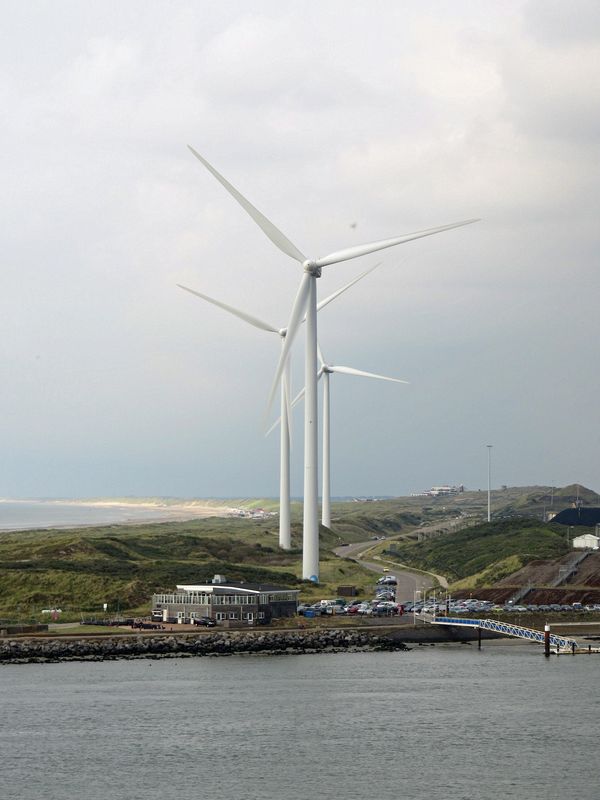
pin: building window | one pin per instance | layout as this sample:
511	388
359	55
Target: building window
233	615
220	616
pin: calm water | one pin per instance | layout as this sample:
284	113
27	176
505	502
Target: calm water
446	722
28	515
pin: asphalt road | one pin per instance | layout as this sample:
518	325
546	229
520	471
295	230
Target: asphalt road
408	582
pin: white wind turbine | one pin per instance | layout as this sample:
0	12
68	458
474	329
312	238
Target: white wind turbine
325	371
285	535
306	302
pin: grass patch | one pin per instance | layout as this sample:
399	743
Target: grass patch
481	553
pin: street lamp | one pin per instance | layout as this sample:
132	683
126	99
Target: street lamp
489	447
417	592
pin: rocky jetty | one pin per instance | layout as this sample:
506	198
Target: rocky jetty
43	650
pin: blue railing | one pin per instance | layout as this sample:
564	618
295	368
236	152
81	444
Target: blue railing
562	642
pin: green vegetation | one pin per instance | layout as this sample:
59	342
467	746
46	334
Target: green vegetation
491	575
79	570
123	565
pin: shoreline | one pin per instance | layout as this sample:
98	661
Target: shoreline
154	512
31	650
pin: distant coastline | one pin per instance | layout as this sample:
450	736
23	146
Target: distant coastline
64	513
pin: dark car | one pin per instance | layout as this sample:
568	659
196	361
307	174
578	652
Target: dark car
205	622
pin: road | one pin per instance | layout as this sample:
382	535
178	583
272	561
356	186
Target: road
408	581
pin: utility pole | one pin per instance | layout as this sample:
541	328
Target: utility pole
489	447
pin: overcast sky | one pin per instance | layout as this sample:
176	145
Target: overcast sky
343	122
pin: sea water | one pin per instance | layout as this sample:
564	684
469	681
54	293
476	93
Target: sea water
437	722
27	515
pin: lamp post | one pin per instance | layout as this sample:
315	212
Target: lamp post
489	447
417	593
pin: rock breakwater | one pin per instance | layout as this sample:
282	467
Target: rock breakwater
43	650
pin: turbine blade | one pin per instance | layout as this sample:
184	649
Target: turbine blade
360	373
274	234
320	354
276	424
298	397
292	329
372	247
257	323
294	403
333	296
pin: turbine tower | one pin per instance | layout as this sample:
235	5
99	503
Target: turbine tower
324	372
285	535
306	302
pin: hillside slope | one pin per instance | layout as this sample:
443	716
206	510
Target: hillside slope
498	548
79	570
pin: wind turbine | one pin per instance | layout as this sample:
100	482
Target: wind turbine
306	301
325	371
285	536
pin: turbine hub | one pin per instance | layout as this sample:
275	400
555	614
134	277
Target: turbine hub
312	268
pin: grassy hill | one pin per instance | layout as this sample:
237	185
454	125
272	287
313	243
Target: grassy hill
123	565
485	553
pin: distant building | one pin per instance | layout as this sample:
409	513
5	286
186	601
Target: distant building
586	541
441	491
586	516
223	600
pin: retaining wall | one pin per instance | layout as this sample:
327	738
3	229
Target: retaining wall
43	650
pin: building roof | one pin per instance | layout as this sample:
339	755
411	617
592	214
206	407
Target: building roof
250	588
578	516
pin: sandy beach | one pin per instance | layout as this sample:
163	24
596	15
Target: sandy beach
63	513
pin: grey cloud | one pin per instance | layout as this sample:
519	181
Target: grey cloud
409	117
556	23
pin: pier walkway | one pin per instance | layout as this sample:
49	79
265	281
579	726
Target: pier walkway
562	643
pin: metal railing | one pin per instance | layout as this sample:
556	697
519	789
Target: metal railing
561	642
570	569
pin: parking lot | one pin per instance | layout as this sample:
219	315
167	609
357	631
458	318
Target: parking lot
383	603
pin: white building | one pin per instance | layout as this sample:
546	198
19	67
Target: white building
223	600
586	541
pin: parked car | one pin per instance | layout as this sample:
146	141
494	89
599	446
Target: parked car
385	608
382	596
205	622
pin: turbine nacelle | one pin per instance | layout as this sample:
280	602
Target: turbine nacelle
312	268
